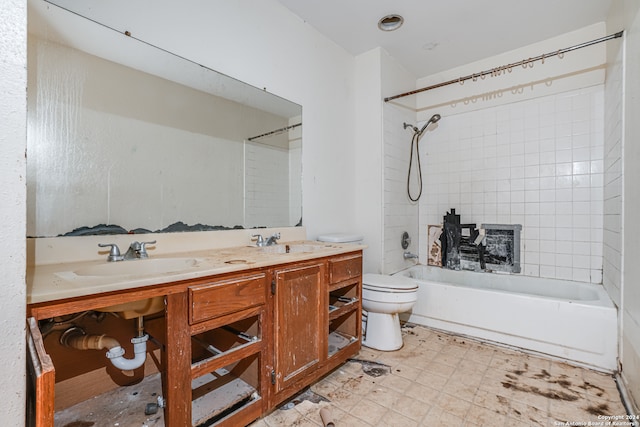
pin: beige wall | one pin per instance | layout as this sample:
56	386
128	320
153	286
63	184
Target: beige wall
622	197
13	81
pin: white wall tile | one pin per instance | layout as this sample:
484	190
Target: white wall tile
539	163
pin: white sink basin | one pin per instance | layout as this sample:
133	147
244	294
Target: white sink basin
133	309
289	249
139	267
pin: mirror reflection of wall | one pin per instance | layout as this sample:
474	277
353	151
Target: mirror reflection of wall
110	144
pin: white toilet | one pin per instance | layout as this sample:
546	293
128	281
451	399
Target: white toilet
383	299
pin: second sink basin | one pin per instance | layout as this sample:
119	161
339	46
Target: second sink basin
295	248
139	267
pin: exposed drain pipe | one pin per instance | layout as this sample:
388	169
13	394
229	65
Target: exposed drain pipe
75	337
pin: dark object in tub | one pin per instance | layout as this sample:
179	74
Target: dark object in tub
499	250
456	241
503	247
450	240
480	245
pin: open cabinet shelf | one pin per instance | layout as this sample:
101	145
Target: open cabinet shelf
224	392
122	406
227	351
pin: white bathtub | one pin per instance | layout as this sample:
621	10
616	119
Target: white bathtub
570	320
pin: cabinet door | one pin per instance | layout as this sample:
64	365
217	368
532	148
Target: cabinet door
299	321
40	379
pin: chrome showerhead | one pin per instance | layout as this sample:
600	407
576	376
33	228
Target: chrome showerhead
433	119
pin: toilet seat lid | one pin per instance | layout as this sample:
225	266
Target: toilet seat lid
381	282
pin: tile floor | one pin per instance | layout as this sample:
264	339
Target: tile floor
438	379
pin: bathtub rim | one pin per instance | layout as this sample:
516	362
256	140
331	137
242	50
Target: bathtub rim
566	342
603	298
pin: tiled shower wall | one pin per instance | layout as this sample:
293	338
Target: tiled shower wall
612	166
538	163
266	177
400	214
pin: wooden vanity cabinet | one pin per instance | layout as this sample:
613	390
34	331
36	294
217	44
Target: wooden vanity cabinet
298	325
344	296
317	312
233	346
216	352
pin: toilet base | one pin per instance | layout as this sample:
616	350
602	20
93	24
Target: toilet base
383	332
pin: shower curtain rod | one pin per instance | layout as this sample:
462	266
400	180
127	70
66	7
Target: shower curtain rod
275	131
507	67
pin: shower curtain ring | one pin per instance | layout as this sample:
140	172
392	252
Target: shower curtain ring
475	78
460	81
560	54
542	58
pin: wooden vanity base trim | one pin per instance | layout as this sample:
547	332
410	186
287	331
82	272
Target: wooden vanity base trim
177	379
63	307
244	416
42	379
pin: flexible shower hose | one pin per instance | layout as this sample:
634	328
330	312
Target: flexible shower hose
415	140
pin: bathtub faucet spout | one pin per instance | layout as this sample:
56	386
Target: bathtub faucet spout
409	255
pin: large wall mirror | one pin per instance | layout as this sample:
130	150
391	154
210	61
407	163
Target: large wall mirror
121	132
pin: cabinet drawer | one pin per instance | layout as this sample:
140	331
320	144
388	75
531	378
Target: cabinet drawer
214	299
345	268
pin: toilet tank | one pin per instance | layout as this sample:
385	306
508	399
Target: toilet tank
340	238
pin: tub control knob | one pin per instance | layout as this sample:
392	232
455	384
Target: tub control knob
405	240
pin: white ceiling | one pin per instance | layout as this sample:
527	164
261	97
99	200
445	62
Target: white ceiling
440	35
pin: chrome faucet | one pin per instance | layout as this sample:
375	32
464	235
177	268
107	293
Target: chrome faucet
114	253
259	239
137	250
273	239
409	255
269	241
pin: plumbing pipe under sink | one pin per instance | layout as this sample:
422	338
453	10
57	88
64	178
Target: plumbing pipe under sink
75	337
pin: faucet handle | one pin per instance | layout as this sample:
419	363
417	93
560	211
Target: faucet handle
114	253
258	238
143	248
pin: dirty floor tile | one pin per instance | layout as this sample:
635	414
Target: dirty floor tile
438	379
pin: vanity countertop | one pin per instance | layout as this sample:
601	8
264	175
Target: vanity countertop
56	281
